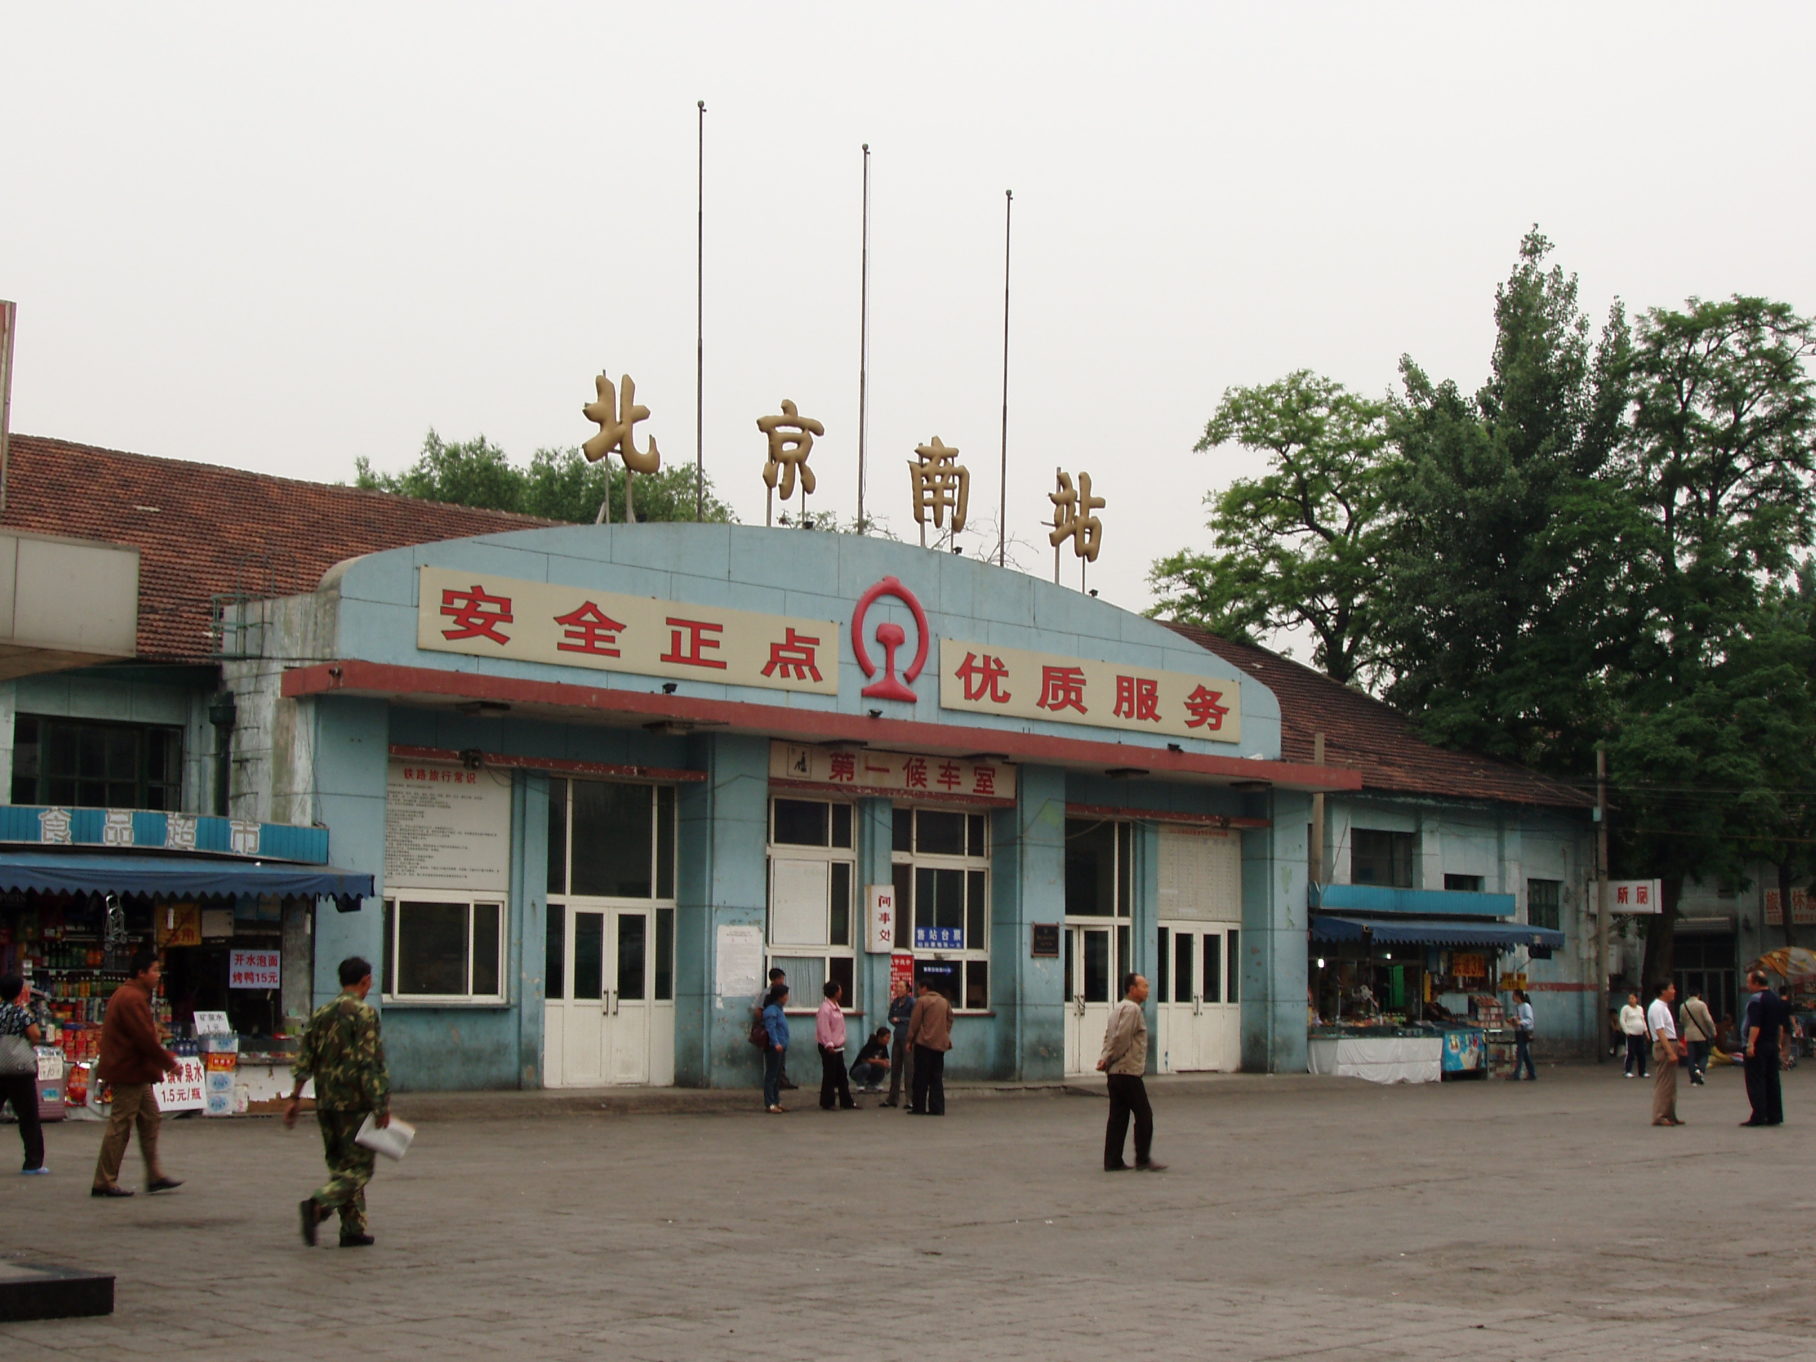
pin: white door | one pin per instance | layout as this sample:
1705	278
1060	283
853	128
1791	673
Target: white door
1091	978
1197	1011
610	1015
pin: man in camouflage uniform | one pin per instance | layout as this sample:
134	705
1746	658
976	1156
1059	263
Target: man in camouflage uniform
341	1049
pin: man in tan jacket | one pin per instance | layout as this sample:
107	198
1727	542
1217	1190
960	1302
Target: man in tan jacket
1698	1030
132	1059
1125	1059
930	1033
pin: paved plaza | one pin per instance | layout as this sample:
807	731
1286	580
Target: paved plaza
1300	1218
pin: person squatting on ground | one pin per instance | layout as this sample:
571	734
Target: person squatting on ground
872	1064
133	1058
21	1087
1666	1052
829	1036
1124	1060
343	1051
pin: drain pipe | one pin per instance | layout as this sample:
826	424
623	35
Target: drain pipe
223	713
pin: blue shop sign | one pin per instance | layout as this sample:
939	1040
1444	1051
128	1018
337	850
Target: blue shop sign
939	938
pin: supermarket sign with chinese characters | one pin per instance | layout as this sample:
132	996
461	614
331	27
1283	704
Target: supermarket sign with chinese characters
864	770
985	679
480	615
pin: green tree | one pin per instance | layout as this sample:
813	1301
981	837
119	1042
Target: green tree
1298	546
559	484
1505	555
1723	450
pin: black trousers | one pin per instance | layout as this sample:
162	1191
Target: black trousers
929	1092
1763	1090
22	1091
1637	1047
1128	1097
833	1082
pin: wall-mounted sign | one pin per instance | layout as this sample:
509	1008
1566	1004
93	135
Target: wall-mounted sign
879	918
984	679
254	969
447	828
864	770
481	615
1044	942
1633	896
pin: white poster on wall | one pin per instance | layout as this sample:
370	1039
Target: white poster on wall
739	966
447	828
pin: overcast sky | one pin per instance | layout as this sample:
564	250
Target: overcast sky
283	237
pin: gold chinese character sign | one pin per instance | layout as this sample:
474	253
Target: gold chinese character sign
1073	518
790	437
941	484
616	414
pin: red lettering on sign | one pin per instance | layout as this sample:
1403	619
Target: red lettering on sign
476	614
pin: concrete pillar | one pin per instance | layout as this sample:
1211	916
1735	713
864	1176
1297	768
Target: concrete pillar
1027	885
1273	938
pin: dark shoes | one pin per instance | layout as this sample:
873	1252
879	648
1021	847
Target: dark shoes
312	1216
785	1085
1116	1168
889	1102
109	1191
163	1184
1150	1167
357	1241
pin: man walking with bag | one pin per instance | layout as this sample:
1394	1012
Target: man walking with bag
343	1052
1698	1029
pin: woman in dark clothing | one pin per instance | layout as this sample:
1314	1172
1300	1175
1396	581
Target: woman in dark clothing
22	1089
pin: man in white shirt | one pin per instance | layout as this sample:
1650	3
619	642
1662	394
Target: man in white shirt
1666	1051
1522	1037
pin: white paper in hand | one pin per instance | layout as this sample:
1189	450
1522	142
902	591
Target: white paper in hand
393	1141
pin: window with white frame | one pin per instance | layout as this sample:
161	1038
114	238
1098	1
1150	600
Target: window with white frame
812	910
444	949
942	894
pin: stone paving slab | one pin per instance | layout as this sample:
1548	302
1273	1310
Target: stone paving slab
1301	1219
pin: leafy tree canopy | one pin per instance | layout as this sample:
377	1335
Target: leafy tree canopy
558	484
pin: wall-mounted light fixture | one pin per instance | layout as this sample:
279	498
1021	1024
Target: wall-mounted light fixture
483	708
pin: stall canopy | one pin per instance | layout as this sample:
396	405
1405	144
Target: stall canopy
176	876
1433	932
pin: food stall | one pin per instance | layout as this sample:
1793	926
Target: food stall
1397	998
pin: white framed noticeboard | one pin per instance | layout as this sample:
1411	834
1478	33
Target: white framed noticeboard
447	828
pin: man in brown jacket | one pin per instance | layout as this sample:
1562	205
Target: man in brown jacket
930	1033
132	1059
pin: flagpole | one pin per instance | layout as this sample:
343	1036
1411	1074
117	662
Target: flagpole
700	320
1002	513
863	338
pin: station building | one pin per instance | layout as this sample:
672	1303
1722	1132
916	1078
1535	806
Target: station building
576	788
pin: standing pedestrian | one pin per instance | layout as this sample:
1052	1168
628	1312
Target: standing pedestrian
775	1058
930	1033
777	979
829	1035
1666	1051
1123	1062
21	1088
1764	1024
1633	1026
1698	1030
901	1059
343	1051
133	1058
1522	1037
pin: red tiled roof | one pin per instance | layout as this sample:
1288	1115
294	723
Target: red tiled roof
204	531
1361	733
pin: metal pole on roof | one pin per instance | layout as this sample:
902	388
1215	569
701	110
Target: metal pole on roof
9	316
700	321
1002	505
863	336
